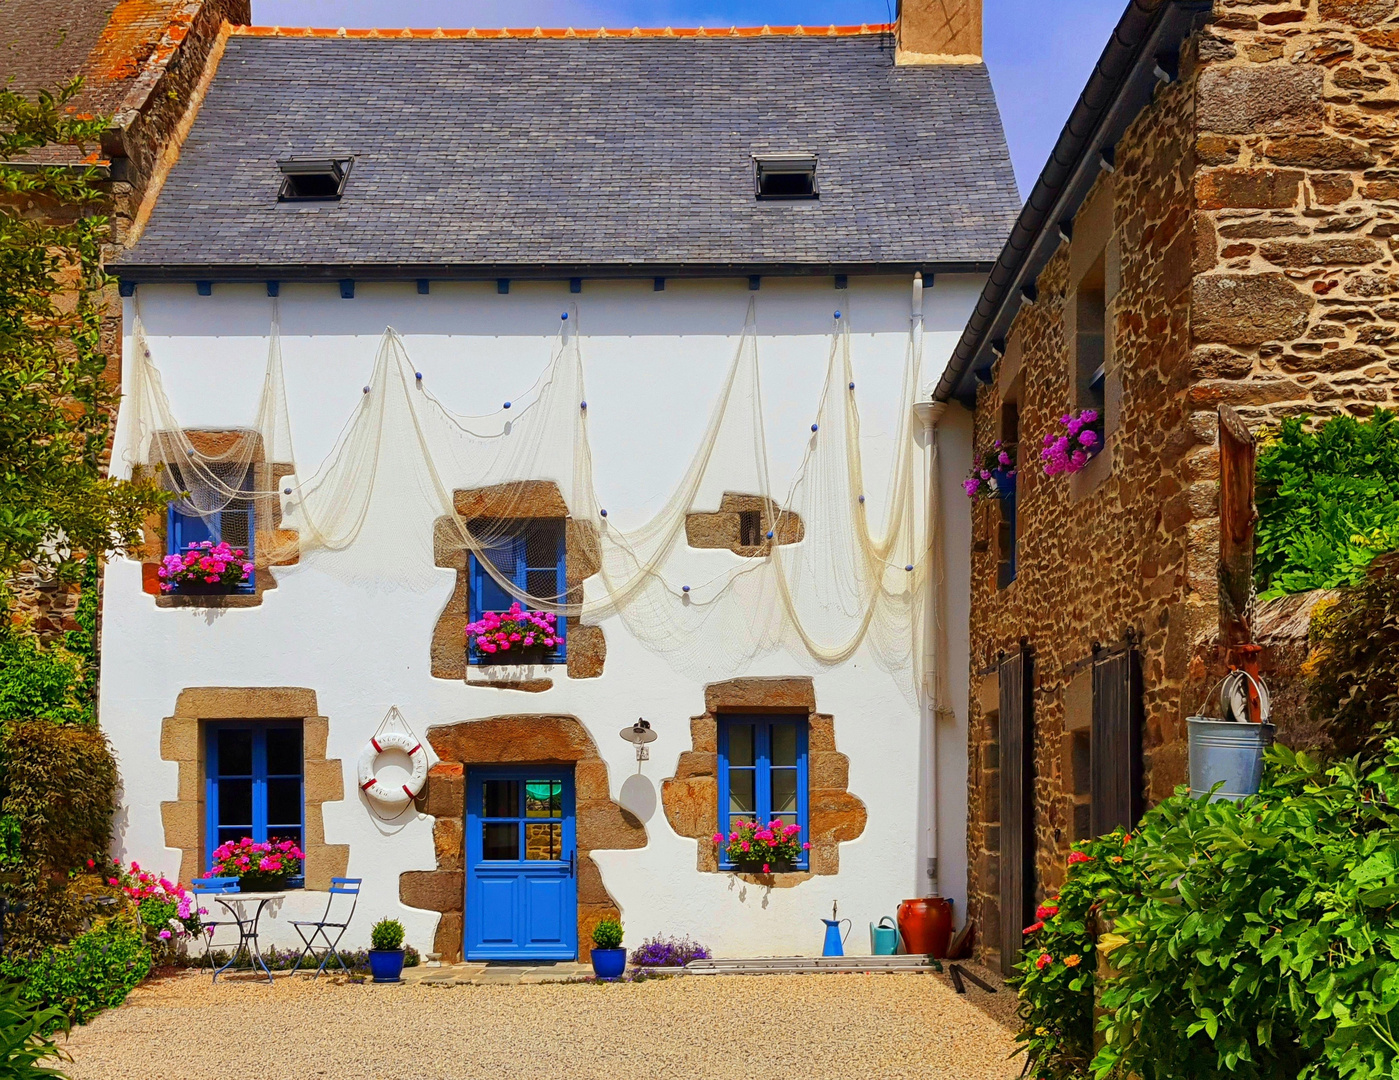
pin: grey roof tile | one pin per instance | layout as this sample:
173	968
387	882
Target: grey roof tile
585	152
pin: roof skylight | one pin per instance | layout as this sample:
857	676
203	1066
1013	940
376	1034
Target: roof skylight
313	179
785	176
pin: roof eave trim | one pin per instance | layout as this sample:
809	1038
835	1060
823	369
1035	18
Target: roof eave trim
139	273
1119	89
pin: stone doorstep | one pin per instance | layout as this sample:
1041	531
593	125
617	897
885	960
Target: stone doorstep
483	974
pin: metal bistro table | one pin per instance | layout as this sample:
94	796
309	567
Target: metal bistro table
237	905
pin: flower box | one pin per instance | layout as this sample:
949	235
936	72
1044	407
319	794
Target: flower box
205	569
755	848
258	867
516	637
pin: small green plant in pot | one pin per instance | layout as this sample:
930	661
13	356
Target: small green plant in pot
386	951
609	958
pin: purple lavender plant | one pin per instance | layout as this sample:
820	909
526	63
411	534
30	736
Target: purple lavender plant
667	952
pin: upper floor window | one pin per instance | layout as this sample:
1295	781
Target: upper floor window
762	774
254	785
1007	531
233	525
530	555
1090	344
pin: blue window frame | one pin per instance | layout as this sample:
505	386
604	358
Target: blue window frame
531	554
254	785
762	774
234	523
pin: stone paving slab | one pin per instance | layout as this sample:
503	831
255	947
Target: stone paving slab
478	974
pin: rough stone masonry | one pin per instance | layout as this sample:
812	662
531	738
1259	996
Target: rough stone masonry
1247	242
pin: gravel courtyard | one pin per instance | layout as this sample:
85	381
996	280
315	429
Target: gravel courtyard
814	1026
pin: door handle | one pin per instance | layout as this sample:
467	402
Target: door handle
573	863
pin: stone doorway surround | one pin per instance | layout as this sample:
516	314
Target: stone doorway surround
533	739
323	780
691	796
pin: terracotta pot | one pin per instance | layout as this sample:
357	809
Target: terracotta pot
925	925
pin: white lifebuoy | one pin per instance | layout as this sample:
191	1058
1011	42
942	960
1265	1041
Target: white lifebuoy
405	793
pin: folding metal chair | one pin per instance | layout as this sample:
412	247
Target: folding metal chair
340	886
213	887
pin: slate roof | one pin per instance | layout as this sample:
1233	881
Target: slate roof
482	155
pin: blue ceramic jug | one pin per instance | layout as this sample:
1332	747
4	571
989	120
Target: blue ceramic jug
835	944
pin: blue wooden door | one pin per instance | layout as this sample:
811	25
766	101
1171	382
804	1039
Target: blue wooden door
521	880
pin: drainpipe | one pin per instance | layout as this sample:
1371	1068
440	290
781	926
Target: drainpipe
934	619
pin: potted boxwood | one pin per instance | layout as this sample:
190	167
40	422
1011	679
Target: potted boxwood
609	958
386	951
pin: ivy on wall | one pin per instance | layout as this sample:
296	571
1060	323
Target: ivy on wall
1328	503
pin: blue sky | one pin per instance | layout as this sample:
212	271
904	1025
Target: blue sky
1040	51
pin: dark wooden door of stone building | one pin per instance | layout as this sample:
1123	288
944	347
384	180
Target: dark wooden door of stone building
1017	760
1116	743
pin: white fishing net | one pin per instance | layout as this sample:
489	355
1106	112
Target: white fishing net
386	502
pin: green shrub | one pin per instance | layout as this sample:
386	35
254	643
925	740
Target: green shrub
1056	996
59	794
1353	680
387	935
94	971
25	1037
608	934
1253	940
39	682
1328	502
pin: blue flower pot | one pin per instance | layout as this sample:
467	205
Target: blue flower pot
1005	483
386	965
609	963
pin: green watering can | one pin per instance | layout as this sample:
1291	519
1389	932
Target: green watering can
884	940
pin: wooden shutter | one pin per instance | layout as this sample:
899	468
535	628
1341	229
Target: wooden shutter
1116	744
1017	858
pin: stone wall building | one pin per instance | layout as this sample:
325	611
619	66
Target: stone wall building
144	64
1216	226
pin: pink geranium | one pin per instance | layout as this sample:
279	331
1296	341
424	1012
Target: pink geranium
513	631
1071	449
207	563
776	842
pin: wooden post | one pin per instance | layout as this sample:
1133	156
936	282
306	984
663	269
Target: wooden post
1237	515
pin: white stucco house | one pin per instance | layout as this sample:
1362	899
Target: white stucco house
359	323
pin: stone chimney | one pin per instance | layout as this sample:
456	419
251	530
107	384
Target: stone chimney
938	32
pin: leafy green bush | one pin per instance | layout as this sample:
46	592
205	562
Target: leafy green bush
387	935
58	788
1328	502
1353	678
94	971
40	682
1251	940
608	934
1056	994
25	1037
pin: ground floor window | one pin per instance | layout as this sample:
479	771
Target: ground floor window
762	773
255	779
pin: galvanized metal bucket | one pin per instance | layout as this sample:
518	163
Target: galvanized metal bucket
1227	753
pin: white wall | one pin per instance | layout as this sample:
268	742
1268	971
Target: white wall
654	361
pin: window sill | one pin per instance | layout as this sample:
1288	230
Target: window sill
1092	476
530	678
785	879
212	600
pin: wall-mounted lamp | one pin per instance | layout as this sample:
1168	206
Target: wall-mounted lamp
639	734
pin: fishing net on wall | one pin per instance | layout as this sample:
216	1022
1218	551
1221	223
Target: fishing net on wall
386	508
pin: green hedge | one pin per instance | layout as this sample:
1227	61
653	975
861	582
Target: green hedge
1353	680
1328	502
94	971
1249	941
58	788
